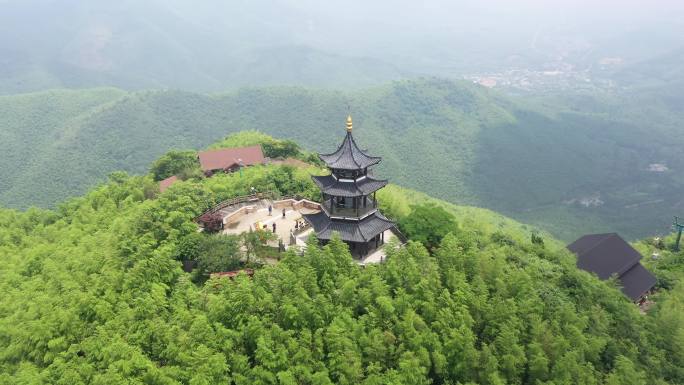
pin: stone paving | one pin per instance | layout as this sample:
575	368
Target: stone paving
258	216
378	255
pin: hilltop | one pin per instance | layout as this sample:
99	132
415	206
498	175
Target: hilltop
571	166
95	294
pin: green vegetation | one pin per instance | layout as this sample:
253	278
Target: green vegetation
215	253
428	224
173	45
93	293
273	148
534	160
180	163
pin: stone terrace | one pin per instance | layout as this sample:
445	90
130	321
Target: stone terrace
249	215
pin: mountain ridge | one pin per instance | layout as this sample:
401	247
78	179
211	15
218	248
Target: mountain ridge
527	159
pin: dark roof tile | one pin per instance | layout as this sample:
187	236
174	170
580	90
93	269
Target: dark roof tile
637	281
349	156
351	231
363	186
607	255
604	254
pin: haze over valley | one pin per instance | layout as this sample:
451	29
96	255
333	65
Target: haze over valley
583	101
281	192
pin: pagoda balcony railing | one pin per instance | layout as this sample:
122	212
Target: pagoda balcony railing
349	212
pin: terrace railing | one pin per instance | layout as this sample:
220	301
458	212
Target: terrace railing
239	200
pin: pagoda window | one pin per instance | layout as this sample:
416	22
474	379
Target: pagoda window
343	202
347	174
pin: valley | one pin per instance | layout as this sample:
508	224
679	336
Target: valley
569	164
284	192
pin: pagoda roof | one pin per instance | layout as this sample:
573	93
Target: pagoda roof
331	185
350	231
349	156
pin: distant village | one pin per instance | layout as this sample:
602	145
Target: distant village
558	75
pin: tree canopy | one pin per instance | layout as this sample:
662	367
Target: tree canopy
94	293
428	223
180	163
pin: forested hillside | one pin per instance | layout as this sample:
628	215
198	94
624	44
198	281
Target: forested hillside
94	294
572	166
171	44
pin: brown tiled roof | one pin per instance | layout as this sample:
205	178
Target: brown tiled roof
166	183
225	158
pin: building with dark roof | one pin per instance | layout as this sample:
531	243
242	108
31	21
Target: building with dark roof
608	254
230	159
349	207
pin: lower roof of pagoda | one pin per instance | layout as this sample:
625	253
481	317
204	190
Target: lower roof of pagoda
350	231
365	185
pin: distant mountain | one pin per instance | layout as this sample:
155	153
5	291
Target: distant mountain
217	45
155	44
593	165
663	70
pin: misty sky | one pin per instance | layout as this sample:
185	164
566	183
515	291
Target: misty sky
217	44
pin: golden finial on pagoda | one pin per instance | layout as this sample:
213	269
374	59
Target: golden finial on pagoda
349	123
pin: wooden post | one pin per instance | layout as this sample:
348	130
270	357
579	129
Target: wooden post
678	227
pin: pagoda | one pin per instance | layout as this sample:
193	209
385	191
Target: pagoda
348	205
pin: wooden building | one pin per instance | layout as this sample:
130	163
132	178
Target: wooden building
230	159
349	206
166	183
607	255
